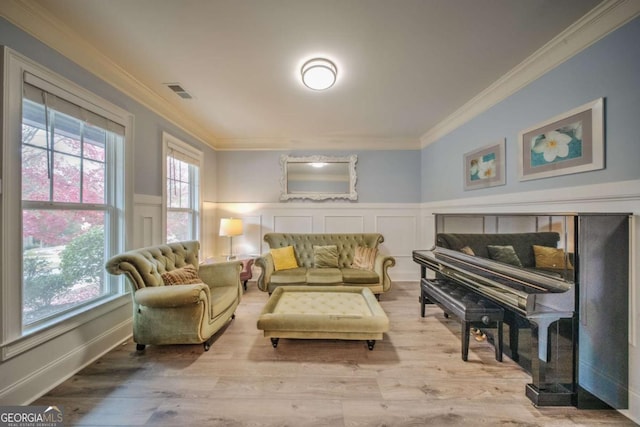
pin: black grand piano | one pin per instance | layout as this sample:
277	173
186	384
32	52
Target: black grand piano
565	299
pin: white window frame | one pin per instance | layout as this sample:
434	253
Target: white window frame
172	144
14	339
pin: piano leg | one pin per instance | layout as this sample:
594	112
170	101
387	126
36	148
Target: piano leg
553	346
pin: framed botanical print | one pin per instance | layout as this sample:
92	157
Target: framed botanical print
485	167
569	143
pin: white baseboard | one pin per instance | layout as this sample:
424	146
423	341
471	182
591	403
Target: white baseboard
39	382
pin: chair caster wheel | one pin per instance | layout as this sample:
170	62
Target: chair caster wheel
140	347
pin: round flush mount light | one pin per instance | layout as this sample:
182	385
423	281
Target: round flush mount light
319	74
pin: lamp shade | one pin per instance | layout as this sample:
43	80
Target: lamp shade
230	226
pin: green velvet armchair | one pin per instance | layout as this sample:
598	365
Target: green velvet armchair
173	311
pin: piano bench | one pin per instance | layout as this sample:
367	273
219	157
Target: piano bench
471	308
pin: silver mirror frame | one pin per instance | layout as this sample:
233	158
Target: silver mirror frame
351	160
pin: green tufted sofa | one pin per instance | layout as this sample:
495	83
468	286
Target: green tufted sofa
178	314
306	274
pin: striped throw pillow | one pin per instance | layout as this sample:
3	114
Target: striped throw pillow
364	258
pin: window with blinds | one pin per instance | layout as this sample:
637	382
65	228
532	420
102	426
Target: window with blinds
68	201
182	192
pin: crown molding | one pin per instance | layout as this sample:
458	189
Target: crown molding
32	18
311	143
600	21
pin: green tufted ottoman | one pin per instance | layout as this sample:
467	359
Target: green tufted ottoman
323	312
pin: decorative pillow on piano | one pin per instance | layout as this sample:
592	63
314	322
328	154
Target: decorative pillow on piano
551	258
467	251
504	254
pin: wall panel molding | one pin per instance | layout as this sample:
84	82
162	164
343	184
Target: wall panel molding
147	220
400	219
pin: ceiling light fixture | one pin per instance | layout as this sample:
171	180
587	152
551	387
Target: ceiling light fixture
319	74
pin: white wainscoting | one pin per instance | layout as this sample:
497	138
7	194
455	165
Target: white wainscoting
398	223
147	220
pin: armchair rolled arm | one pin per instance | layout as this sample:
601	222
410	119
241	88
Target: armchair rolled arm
381	266
265	262
136	268
221	274
172	296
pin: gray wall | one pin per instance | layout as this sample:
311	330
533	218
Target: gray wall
383	176
148	126
610	69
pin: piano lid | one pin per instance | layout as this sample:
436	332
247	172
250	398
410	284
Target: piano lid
514	287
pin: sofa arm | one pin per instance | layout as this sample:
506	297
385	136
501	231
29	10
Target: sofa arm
265	262
172	296
221	274
381	265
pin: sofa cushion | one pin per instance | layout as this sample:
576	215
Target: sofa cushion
290	277
325	256
359	276
303	244
364	258
323	276
505	254
284	258
187	275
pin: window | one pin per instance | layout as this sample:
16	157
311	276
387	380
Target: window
182	199
63	202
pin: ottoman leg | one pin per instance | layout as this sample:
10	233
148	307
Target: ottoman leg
371	344
274	342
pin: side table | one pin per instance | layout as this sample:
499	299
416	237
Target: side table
247	262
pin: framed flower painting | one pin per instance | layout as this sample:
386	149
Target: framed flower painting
569	143
485	167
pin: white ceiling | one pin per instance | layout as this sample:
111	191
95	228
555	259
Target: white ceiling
403	65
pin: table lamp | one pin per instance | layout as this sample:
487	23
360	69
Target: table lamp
230	227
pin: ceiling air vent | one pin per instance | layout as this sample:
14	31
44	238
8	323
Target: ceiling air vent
179	90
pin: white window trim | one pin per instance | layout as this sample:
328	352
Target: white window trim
170	142
13	340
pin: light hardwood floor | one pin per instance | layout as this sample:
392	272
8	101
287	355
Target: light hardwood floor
414	377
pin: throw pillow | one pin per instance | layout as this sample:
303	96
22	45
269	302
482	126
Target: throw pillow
505	254
364	258
467	250
551	258
325	256
284	258
186	275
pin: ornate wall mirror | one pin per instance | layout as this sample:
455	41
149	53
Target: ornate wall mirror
318	177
